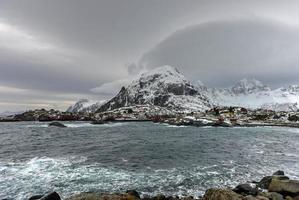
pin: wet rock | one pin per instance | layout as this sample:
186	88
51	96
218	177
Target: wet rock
85	196
221	194
245	189
35	197
51	196
159	197
250	197
187	198
289	198
275	196
261	198
97	196
278	173
146	197
57	124
265	182
285	187
133	193
263	194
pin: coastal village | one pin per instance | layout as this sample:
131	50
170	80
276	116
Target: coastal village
217	116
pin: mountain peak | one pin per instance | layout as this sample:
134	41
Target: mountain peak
166	73
249	85
252	81
163	86
164	69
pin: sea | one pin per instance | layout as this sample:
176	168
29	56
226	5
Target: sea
147	157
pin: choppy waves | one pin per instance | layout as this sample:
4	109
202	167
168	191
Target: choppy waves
19	180
149	158
71	175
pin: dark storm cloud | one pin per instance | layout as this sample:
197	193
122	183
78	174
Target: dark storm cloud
221	52
68	47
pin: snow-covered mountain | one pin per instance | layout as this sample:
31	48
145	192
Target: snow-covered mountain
249	86
85	105
251	93
164	86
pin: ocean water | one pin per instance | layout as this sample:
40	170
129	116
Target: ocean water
150	158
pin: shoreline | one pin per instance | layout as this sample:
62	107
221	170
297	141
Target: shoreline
250	124
278	186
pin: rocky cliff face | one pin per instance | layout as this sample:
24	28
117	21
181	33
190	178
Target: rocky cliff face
164	86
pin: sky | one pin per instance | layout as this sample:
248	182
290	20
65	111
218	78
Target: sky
53	53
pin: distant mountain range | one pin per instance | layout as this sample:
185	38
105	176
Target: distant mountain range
167	87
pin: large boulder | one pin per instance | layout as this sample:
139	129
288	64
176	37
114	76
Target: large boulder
85	196
250	197
57	124
35	197
286	187
221	194
265	181
133	193
245	189
278	173
51	196
275	196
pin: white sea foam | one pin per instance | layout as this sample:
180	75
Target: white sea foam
175	126
37	126
71	175
78	125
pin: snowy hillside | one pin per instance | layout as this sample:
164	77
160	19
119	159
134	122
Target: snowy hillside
251	93
164	86
85	105
167	87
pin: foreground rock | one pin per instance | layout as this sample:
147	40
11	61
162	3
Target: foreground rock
57	124
285	187
50	196
278	187
129	195
221	194
265	182
98	196
245	189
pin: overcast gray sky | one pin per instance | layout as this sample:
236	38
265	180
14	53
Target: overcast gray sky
53	53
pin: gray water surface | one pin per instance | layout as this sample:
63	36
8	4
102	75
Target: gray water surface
151	158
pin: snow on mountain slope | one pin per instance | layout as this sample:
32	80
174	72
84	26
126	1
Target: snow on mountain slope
249	86
166	87
163	86
251	93
85	105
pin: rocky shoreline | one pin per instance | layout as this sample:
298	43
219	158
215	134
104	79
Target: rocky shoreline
275	187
